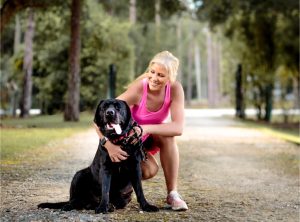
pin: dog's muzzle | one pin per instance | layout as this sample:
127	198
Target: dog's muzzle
112	119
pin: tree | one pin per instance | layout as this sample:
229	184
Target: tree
132	11
239	97
11	7
255	24
25	103
72	104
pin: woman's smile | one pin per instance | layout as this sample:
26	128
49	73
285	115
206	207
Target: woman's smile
157	77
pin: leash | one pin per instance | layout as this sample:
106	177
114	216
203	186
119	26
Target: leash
133	138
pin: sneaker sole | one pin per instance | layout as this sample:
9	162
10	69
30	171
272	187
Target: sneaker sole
176	208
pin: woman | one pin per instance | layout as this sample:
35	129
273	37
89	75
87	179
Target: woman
152	97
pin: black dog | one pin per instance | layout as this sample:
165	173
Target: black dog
106	185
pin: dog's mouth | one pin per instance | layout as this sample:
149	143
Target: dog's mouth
116	127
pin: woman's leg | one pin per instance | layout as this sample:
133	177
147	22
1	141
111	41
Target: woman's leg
149	167
169	157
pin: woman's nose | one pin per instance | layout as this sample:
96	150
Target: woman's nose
154	76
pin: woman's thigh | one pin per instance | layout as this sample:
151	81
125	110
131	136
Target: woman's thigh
163	142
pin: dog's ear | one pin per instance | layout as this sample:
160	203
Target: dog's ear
97	118
128	111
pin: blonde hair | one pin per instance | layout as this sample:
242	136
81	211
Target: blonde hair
168	61
165	59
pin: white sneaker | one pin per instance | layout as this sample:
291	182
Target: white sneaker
174	201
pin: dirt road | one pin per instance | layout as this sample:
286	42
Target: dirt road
227	173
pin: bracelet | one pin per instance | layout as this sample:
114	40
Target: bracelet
103	141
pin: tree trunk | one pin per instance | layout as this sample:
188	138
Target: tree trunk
197	69
215	74
179	47
239	96
189	74
269	102
25	103
132	11
210	70
73	94
296	91
157	22
219	86
13	86
17	37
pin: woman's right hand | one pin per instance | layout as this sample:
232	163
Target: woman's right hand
115	152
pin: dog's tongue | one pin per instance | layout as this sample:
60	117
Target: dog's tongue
117	128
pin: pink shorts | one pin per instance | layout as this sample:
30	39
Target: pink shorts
148	144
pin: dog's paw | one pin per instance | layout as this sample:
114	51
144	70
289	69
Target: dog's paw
67	207
111	208
102	210
150	208
43	205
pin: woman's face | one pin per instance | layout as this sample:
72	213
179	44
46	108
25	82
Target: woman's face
158	77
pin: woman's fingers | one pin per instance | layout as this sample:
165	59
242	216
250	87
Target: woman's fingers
123	153
117	157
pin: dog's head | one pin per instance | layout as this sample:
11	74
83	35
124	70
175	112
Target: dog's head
113	117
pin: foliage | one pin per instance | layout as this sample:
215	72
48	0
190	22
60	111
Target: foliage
50	58
261	35
257	33
103	43
106	39
146	9
143	35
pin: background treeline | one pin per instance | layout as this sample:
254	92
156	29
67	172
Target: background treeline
216	41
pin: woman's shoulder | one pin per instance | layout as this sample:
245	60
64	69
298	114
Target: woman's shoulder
136	85
176	89
176	86
132	92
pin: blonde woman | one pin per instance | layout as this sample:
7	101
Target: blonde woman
152	97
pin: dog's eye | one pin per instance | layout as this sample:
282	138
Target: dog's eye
117	106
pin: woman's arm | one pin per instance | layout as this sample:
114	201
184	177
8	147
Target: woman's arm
132	95
175	127
115	153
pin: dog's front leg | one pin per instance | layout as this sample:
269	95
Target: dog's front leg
105	176
136	180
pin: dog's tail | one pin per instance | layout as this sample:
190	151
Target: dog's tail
58	205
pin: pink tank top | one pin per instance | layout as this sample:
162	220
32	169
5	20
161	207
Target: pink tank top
140	112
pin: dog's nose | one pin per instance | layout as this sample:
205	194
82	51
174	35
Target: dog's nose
110	112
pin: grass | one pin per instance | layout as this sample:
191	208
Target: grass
288	133
22	135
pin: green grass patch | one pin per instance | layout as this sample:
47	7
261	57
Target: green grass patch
290	134
51	121
283	134
24	135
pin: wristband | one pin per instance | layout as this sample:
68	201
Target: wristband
103	141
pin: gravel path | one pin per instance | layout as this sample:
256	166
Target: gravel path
227	173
